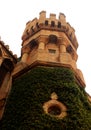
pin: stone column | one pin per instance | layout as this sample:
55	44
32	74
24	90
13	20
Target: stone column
42	41
62	48
41	45
62	44
25	52
24	57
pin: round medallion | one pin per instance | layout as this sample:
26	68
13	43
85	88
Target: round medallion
54	107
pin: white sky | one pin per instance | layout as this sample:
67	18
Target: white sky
14	14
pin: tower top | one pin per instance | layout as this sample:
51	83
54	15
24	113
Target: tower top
51	23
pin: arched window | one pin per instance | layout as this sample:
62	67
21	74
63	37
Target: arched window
52	23
52	38
33	44
69	49
46	22
59	24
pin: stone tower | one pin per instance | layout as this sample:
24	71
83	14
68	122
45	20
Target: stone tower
50	42
47	91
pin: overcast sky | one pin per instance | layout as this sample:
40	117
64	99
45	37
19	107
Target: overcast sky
14	14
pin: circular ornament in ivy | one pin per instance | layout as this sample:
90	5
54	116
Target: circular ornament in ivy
54	107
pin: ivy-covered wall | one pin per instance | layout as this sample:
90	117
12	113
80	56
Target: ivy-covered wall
24	107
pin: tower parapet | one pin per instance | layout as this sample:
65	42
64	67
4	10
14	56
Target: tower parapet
50	23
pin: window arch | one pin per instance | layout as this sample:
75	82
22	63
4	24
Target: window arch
33	44
52	39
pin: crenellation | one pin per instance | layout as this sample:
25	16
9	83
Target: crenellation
15	56
7	46
62	18
28	22
42	14
33	22
50	23
11	52
52	16
70	29
42	17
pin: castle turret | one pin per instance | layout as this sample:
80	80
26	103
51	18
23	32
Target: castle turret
52	42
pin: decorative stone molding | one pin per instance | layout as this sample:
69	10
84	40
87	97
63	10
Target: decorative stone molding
54	107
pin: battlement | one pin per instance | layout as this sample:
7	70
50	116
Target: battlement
51	23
